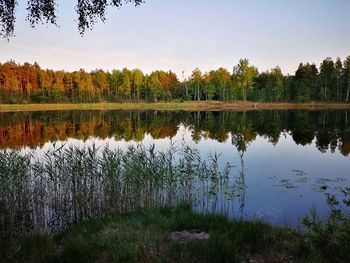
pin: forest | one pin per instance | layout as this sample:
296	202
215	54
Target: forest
29	83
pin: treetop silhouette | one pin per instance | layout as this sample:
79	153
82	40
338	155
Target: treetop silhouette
45	11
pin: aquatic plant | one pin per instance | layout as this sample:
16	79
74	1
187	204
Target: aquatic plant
67	183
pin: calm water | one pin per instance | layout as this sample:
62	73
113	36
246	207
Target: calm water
286	161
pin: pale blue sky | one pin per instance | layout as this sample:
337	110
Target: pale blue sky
184	34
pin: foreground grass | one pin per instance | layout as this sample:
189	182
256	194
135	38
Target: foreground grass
145	237
187	105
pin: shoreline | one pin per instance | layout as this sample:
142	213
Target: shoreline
186	106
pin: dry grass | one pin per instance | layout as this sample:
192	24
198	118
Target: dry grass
188	105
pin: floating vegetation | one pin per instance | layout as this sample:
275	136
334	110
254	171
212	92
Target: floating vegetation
318	184
329	180
302	180
299	172
68	184
287	184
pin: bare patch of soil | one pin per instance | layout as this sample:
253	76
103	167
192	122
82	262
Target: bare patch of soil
186	236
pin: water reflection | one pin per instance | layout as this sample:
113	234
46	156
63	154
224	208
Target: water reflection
329	128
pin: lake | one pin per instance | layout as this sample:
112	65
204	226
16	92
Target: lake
279	163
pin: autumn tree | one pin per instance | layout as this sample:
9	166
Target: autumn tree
222	77
84	86
169	83
101	84
46	80
57	93
9	82
29	83
174	85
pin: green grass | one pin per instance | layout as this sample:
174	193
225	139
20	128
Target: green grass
144	236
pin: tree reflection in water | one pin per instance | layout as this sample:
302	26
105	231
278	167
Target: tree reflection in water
329	128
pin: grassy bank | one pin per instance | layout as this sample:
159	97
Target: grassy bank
188	105
150	236
146	237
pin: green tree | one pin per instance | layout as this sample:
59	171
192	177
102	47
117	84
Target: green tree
245	74
259	91
116	81
338	75
275	84
137	81
209	87
347	78
196	80
154	86
305	83
327	72
125	88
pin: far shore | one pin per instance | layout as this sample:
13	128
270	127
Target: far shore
186	106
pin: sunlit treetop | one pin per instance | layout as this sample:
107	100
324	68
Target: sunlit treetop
44	11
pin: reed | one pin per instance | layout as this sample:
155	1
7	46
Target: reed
68	184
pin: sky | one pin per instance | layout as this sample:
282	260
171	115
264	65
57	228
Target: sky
180	35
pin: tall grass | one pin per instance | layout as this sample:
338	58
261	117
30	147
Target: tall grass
69	184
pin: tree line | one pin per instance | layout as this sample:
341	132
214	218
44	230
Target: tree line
27	83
